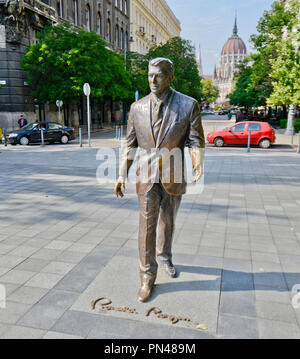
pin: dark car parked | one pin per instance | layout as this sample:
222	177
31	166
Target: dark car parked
53	132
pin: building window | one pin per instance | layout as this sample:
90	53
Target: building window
88	17
117	36
122	39
125	7
121	5
75	12
60	8
108	31
116	3
99	23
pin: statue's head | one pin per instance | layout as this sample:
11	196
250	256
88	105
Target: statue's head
160	75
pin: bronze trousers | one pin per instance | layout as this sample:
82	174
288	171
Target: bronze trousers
158	211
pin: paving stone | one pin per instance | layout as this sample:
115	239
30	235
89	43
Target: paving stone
13	312
41	316
44	280
27	295
59	298
8	261
59	245
238	254
76	323
59	268
238	302
270	329
56	335
70	257
15	276
232	326
32	265
19	332
276	311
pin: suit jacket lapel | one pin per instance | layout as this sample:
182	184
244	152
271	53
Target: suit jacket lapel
168	119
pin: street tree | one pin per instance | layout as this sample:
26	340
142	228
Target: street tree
210	92
64	58
182	54
286	66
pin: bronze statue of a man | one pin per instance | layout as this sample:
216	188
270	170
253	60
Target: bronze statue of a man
160	125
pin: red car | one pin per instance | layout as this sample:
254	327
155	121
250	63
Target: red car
262	135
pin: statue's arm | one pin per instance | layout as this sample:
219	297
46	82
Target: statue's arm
196	142
128	153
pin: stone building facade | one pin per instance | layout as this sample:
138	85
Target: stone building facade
234	51
152	22
20	20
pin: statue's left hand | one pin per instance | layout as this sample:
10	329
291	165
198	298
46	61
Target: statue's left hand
198	175
197	155
119	184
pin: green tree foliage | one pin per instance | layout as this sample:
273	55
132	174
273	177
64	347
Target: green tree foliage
65	58
243	95
182	54
137	64
259	82
286	66
210	92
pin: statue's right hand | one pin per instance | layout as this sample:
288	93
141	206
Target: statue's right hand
119	184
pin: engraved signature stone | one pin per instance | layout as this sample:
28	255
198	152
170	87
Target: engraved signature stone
105	304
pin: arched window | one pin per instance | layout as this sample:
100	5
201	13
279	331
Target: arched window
108	31
122	39
99	23
88	17
117	36
60	8
75	12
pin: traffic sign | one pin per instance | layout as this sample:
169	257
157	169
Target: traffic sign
59	103
86	89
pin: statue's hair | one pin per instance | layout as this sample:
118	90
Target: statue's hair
165	64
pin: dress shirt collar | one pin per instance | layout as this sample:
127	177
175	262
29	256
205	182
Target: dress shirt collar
156	101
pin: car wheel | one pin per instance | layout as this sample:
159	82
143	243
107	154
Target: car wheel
24	141
64	139
265	143
219	142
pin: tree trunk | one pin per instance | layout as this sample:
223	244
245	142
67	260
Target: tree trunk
284	112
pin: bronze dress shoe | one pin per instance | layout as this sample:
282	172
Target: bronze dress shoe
169	269
144	292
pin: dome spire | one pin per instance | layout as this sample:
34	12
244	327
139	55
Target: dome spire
235	29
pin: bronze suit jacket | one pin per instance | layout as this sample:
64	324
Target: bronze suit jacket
162	160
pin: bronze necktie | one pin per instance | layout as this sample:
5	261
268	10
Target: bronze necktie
157	117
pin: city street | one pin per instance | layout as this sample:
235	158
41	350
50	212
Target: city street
65	240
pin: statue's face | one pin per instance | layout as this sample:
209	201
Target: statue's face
159	82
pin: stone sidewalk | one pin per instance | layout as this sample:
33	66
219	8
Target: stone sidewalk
65	240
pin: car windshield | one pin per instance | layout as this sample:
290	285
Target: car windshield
29	127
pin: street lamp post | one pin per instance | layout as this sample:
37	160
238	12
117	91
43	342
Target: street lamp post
87	92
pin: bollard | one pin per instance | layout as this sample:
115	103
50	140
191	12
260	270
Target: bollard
298	151
292	141
5	138
249	141
42	138
80	137
116	132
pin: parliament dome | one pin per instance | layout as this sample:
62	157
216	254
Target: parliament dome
234	45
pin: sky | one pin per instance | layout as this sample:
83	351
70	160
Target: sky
209	23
